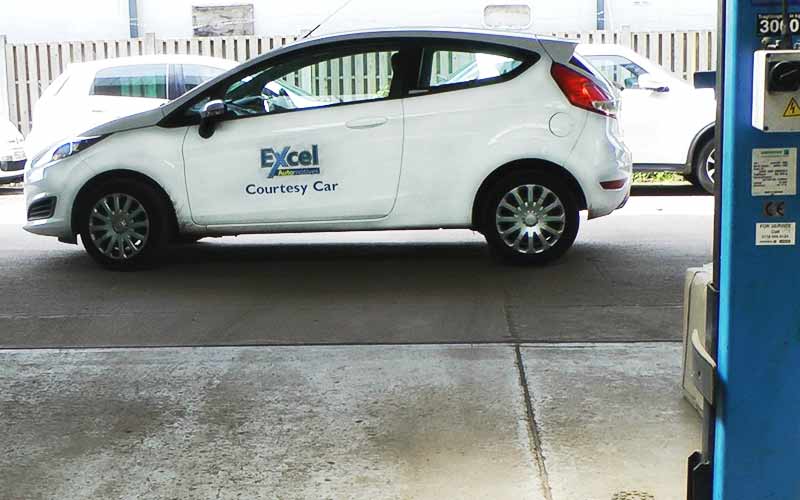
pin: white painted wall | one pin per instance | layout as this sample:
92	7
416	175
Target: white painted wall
40	20
35	20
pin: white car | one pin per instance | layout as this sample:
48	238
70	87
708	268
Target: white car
515	156
92	93
667	123
12	154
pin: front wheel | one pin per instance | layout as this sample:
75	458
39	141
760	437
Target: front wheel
123	224
530	218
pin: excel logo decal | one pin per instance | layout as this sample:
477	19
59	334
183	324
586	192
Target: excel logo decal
286	162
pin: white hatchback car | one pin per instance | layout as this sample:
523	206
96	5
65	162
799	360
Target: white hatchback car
92	93
667	123
515	156
12	154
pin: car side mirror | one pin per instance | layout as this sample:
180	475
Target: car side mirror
209	114
649	82
213	109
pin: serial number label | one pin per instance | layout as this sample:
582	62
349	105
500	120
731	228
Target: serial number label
772	24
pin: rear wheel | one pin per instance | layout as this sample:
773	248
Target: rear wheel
705	167
123	224
530	218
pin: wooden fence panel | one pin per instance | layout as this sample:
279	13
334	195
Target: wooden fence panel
30	68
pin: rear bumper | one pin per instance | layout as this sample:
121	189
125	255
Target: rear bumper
600	158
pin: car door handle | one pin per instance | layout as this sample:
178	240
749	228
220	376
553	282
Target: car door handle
371	122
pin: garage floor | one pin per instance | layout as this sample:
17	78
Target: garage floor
585	422
391	365
623	281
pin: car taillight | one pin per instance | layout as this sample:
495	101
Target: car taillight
582	92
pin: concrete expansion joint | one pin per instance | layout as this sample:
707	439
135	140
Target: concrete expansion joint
535	439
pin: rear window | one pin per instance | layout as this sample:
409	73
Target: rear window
449	67
196	74
144	80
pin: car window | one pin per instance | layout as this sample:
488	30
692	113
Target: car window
447	67
621	71
142	80
196	74
319	81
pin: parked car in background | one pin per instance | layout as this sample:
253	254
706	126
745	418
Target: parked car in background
516	153
667	123
91	93
12	154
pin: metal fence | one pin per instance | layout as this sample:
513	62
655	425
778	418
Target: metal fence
27	69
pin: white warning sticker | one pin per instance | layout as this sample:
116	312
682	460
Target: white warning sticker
775	234
774	172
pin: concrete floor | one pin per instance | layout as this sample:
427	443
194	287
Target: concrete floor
363	422
494	401
621	282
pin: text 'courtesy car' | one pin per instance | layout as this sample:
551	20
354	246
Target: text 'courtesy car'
376	130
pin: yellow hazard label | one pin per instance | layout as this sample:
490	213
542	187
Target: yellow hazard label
792	110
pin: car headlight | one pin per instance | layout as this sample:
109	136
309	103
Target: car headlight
74	146
64	150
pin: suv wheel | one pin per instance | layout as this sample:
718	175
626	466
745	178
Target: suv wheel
530	218
705	167
123	224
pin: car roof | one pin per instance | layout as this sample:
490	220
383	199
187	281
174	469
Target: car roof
215	62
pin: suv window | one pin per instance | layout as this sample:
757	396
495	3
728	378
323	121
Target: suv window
621	71
142	80
318	81
442	67
196	74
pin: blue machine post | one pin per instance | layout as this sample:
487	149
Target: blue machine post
757	448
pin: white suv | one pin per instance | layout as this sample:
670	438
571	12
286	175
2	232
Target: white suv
667	123
92	93
514	155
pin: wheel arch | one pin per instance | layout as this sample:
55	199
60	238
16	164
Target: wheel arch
117	175
705	134
525	165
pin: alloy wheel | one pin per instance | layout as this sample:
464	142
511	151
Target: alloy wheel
530	219
711	165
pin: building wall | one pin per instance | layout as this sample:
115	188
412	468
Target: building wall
36	20
44	20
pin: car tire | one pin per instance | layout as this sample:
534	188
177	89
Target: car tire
513	218
123	224
704	169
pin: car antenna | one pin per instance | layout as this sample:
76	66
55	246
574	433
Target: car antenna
327	18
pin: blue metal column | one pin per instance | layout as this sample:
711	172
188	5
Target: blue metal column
757	450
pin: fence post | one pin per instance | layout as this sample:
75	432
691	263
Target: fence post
625	36
150	44
5	110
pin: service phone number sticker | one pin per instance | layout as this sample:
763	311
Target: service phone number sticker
774	172
775	234
772	24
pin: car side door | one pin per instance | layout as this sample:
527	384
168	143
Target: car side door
274	159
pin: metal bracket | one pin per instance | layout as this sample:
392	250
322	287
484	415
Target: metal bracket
705	369
700	477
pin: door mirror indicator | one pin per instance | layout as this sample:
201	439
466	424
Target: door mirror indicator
211	112
649	82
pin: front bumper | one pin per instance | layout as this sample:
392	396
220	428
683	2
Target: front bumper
57	181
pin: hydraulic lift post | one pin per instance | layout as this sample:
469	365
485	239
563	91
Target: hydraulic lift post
756	437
